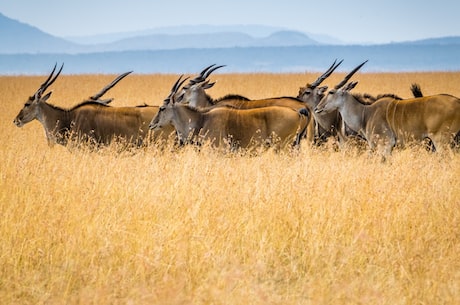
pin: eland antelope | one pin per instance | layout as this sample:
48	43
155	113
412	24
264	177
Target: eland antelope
92	120
238	128
327	124
390	121
311	94
417	92
194	95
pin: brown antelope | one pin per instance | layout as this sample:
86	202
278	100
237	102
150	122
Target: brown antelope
91	120
238	128
390	121
333	125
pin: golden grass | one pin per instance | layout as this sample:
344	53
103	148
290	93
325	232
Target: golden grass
189	227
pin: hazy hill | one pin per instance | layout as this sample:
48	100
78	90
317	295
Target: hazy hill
25	49
167	42
251	30
18	37
449	40
203	41
394	58
286	38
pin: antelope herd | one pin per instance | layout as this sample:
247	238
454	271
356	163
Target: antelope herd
233	122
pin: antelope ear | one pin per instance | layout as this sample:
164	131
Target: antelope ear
352	85
179	98
207	85
46	97
322	89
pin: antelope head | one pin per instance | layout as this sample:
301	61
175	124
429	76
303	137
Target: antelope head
204	74
311	94
165	113
194	92
335	97
30	111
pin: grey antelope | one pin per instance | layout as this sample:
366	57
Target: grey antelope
237	128
92	120
331	124
327	124
390	121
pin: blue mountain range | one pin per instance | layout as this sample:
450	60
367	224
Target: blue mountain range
25	49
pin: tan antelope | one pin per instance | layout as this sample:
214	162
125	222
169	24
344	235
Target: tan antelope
235	128
331	124
90	121
389	121
417	92
194	94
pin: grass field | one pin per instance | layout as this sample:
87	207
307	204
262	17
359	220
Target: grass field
187	227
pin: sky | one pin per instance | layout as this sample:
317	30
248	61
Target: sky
353	21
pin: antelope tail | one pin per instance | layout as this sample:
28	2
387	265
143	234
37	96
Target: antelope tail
416	90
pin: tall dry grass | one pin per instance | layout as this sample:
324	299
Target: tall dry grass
196	227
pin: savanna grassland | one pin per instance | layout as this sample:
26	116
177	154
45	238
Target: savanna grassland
197	227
